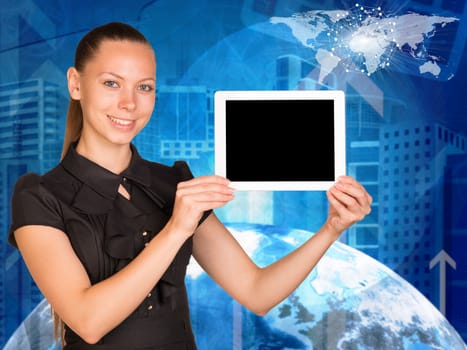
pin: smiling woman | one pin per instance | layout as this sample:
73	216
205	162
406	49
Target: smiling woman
117	96
107	235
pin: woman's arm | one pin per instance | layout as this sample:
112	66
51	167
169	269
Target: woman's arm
260	289
93	310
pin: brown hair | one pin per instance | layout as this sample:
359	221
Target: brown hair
87	49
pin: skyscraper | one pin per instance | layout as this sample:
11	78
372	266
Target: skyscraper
31	131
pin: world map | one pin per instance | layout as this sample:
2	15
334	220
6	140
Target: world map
367	40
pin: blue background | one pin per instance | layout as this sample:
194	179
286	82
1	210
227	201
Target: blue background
406	131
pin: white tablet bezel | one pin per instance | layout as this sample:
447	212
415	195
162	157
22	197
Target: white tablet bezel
222	96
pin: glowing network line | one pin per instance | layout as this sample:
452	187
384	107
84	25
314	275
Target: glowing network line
363	38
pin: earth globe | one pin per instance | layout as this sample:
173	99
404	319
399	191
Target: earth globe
349	301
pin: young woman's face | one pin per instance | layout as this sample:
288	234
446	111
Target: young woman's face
117	91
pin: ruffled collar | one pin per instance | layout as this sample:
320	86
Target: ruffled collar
100	188
102	180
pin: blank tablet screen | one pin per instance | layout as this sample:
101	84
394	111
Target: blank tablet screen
280	140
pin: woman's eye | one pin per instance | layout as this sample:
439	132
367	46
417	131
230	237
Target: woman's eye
146	87
110	83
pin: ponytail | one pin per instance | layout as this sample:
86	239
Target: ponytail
74	125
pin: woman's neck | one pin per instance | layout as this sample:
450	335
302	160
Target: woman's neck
114	158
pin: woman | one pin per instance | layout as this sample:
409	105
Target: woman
107	235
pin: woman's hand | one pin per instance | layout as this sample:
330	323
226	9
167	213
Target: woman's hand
349	203
195	196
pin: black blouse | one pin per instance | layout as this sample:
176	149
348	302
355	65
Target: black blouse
107	231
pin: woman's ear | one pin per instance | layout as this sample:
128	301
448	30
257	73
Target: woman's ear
73	83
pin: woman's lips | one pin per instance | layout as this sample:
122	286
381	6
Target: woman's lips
121	122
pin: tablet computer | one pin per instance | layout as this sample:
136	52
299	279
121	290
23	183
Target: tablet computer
279	140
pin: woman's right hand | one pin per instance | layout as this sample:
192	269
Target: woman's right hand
195	196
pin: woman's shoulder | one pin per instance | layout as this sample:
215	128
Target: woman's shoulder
34	177
28	181
33	204
44	185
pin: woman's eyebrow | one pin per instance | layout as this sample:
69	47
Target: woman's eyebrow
122	78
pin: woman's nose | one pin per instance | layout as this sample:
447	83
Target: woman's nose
127	100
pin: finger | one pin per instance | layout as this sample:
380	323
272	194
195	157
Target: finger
354	189
202	180
333	201
346	208
351	182
204	197
205	205
206	189
357	205
210	196
343	196
340	219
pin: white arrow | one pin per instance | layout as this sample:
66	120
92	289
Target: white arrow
442	257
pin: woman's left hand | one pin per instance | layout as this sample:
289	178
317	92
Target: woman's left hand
349	203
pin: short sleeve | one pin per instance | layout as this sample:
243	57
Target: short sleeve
33	204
